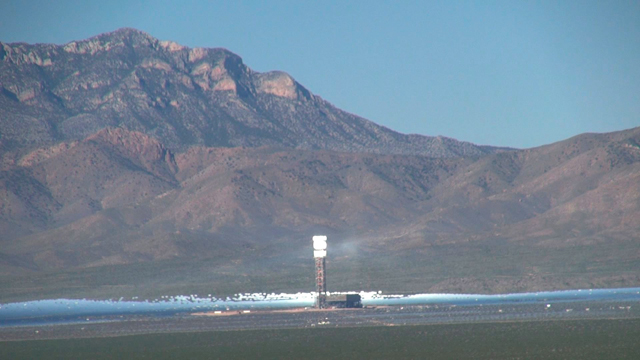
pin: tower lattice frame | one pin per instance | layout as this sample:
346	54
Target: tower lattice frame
321	283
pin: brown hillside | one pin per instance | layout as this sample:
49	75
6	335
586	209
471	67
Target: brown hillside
563	215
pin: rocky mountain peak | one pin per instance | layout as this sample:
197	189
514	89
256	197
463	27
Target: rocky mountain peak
125	37
180	96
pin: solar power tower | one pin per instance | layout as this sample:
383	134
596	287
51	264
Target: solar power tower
319	255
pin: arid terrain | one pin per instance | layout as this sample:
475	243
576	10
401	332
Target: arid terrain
549	339
133	166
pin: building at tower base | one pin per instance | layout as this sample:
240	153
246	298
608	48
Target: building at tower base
344	301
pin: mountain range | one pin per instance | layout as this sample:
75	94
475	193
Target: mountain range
173	168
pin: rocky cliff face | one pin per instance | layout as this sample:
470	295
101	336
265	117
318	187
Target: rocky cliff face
180	96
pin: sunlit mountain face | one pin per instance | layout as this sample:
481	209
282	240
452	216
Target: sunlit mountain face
135	165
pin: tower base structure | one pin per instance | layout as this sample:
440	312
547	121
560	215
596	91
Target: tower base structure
321	283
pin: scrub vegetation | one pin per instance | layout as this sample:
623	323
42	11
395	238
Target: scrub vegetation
580	339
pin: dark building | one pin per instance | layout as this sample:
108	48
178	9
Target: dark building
344	301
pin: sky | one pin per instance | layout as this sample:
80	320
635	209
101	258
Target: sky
503	73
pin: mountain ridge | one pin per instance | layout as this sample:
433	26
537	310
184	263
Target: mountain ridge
181	96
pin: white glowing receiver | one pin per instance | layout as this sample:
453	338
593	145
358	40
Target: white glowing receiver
319	253
319	246
319	242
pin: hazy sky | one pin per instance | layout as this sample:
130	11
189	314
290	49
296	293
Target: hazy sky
510	73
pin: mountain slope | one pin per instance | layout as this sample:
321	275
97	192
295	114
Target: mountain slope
99	181
180	96
563	215
584	183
